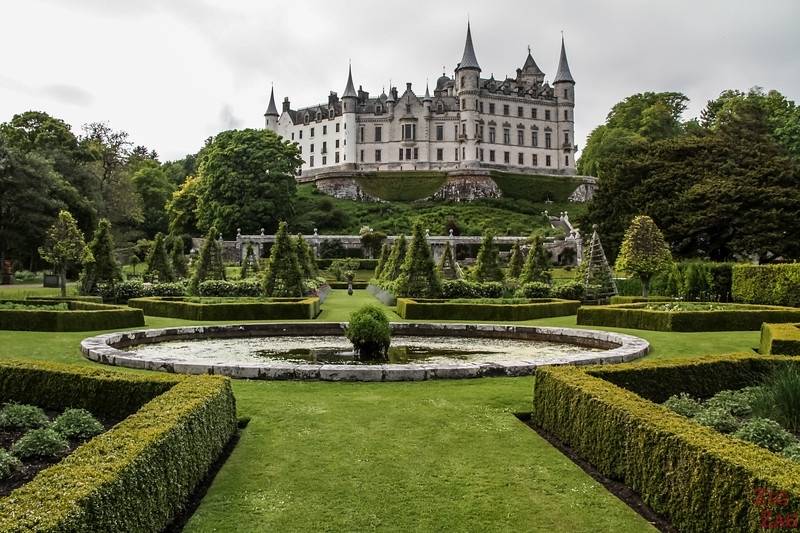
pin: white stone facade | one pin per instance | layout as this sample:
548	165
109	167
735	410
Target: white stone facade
520	124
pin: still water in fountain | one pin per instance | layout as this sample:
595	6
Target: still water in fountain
338	350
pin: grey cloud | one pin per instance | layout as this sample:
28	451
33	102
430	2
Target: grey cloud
68	94
227	120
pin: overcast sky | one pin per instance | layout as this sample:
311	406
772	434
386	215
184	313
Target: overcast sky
173	72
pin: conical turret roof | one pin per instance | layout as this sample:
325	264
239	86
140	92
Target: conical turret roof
349	91
530	65
469	60
271	108
563	73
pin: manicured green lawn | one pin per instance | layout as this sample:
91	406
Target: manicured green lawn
438	455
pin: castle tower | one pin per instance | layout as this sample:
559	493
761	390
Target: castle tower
271	116
467	89
564	86
349	102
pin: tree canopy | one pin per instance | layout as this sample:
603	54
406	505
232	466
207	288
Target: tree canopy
644	251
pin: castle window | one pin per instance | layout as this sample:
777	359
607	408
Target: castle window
480	132
409	132
491	109
337	127
378	109
535	160
463	103
481	152
324	130
535	138
361	134
506	157
520	137
305	118
439	154
506	109
566	114
547	140
311	161
491	156
547	114
440	107
312	148
331	113
547	160
416	153
480	107
534	113
566	93
319	116
440	132
292	135
463	82
324	160
324	147
521	158
377	156
491	134
456	151
400	155
301	134
362	156
336	157
337	143
506	136
408	154
566	160
312	132
463	152
456	129
378	133
520	111
300	148
566	137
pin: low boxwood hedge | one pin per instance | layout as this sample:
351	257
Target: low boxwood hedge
246	309
140	474
780	339
767	284
698	478
433	309
731	317
80	316
615	300
364	264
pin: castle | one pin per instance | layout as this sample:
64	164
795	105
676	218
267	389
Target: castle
520	124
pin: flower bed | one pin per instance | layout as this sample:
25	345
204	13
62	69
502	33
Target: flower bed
65	315
141	473
700	479
780	339
204	308
485	309
686	316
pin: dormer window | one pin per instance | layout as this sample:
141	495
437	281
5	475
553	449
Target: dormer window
305	118
331	113
319	116
378	109
440	107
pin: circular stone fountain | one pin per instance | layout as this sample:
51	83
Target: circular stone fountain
319	351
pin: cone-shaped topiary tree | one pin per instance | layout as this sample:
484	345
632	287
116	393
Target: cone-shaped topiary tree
305	258
64	246
391	270
447	264
517	261
644	252
418	276
537	264
384	257
598	281
283	276
101	265
487	264
180	266
250	262
158	265
209	262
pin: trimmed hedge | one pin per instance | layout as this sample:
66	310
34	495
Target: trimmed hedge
767	284
220	287
140	474
81	316
615	300
91	299
265	309
700	479
463	288
433	309
780	339
364	264
739	317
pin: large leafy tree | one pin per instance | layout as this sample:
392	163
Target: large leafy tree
182	207
644	251
155	190
247	181
63	247
418	276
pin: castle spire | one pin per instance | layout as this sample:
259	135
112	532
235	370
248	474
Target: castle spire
531	66
563	74
469	60
271	108
427	92
349	91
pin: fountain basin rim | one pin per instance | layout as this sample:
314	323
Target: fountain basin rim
618	348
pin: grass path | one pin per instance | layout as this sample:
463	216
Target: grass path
424	456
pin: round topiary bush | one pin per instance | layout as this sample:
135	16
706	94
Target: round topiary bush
42	443
718	419
683	404
77	424
369	332
21	416
8	464
765	433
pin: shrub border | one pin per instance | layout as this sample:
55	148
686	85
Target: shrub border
274	309
138	475
456	309
780	339
634	316
702	480
81	316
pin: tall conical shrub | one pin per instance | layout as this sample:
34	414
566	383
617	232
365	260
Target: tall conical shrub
305	258
517	262
487	264
159	267
180	266
283	278
101	265
250	262
447	264
418	276
209	263
395	262
384	257
537	264
598	281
